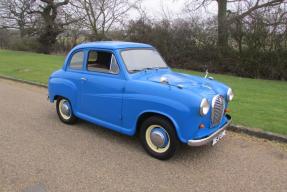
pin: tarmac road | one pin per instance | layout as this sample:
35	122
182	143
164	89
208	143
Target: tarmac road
38	153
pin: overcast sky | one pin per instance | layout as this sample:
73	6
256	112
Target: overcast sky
154	8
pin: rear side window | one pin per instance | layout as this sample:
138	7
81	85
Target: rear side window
77	60
102	61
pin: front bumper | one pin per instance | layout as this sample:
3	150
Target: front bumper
206	140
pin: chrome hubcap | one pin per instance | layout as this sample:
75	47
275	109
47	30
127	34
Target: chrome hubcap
159	137
65	109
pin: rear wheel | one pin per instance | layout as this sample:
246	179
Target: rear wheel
65	112
158	137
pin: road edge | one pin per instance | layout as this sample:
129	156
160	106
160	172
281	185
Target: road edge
258	133
24	81
235	128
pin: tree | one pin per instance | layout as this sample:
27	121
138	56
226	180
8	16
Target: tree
100	15
15	15
51	26
223	19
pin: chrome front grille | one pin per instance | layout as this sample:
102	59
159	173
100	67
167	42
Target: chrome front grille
218	105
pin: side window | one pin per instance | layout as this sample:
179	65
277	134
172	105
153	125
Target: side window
77	60
102	61
114	67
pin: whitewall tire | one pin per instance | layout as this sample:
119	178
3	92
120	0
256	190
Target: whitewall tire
158	137
64	111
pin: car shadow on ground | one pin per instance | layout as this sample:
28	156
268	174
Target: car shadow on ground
184	152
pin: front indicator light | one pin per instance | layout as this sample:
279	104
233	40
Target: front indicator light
227	111
201	126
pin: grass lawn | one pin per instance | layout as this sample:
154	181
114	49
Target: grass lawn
29	66
258	103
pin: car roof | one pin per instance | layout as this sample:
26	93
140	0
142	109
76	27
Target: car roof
112	45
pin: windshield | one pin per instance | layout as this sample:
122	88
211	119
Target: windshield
142	59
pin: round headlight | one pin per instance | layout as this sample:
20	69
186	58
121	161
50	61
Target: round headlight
204	107
230	94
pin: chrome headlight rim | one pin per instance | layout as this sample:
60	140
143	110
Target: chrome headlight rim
204	107
230	94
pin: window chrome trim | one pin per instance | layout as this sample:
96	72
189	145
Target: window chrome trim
68	66
114	65
102	72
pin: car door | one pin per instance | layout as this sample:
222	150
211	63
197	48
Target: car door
74	73
102	88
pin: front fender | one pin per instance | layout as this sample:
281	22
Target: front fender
165	115
177	105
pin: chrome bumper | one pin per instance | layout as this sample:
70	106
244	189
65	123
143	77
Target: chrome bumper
206	140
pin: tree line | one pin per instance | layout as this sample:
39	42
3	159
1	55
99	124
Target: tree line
246	37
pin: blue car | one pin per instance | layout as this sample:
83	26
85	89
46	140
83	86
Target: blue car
128	87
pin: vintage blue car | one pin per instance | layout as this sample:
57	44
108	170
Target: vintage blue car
128	87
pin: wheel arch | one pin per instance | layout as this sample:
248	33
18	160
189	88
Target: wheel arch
56	97
146	114
59	87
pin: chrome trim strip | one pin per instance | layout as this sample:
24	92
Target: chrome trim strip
206	140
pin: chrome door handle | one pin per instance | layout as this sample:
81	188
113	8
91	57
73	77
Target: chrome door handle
83	78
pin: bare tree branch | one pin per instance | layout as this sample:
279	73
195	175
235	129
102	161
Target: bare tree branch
101	15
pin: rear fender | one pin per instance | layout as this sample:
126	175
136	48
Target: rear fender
63	88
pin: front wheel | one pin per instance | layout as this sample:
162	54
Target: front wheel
158	137
65	112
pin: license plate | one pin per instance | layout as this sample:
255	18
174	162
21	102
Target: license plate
219	137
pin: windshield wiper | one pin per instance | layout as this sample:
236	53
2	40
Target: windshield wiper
147	68
137	70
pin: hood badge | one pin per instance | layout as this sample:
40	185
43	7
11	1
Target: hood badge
164	80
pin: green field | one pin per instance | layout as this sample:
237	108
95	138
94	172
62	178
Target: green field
258	103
